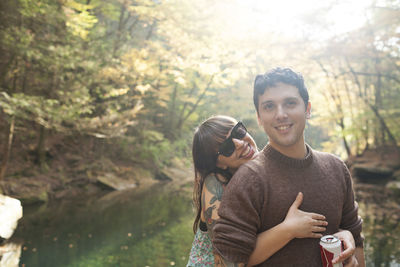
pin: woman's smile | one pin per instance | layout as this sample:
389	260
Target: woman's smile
247	152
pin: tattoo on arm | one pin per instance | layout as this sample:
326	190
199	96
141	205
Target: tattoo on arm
208	215
221	262
215	187
216	190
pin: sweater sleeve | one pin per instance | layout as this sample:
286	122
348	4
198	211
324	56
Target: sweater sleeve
235	233
350	219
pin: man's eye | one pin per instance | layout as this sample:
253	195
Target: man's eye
291	103
268	106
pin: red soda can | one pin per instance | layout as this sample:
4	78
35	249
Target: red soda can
330	247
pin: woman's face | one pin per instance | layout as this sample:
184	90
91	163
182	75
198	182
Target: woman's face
245	150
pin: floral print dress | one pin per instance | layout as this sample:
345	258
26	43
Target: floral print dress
201	253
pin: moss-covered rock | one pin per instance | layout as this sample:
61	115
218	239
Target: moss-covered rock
117	183
368	171
394	186
28	191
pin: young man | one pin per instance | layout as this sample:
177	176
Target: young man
261	191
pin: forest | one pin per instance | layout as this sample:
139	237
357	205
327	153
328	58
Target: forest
89	86
99	101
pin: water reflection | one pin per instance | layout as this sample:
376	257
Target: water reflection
153	228
380	209
132	228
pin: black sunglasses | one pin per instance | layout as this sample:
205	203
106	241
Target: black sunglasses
227	147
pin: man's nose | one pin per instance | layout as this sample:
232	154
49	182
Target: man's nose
280	112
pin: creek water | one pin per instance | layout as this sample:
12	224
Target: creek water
152	227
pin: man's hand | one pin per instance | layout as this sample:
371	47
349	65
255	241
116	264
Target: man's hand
304	224
346	256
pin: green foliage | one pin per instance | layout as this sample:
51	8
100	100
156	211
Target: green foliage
361	84
47	112
146	73
103	69
79	18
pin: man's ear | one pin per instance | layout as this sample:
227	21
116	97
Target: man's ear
308	110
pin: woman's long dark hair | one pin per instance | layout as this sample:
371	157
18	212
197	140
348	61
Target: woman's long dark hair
206	140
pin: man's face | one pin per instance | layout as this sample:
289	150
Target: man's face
283	115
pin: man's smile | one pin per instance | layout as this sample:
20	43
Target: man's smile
283	128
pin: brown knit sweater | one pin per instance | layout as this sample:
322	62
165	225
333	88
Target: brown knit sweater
261	192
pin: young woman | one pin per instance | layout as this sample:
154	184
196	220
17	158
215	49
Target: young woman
220	146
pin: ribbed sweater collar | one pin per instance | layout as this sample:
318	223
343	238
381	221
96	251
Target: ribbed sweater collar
275	155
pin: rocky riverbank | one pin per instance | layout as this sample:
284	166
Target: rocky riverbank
74	177
378	166
83	180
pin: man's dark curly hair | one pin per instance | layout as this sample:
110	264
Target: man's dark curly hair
279	75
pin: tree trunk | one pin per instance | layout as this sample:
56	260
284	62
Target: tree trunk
171	124
7	149
375	110
383	124
118	37
183	117
335	97
346	144
151	29
40	148
351	106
